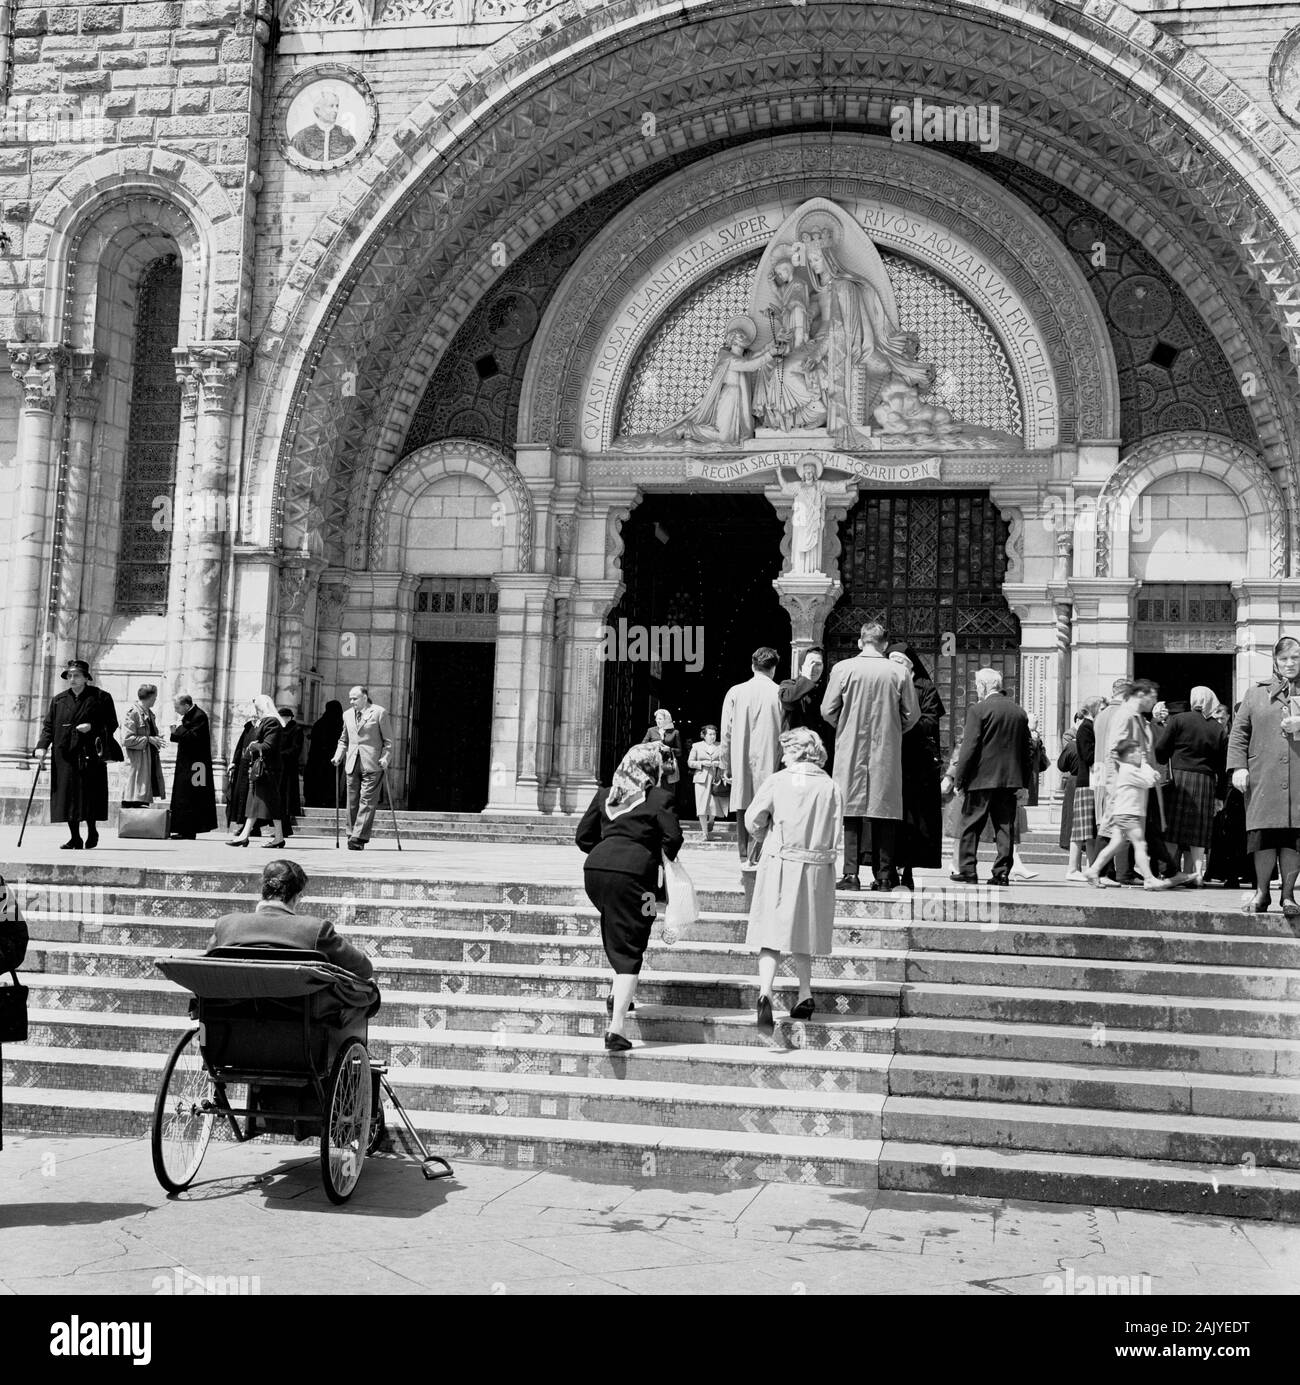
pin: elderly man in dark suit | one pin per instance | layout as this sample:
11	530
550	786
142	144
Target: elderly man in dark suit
366	747
992	771
273	923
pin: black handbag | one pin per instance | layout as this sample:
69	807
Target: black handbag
13	1012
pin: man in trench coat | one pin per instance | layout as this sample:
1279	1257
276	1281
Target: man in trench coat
751	742
870	701
194	798
79	725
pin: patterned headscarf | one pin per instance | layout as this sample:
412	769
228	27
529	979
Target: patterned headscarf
802	745
1277	650
640	769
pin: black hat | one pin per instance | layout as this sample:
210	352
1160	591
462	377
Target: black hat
77	666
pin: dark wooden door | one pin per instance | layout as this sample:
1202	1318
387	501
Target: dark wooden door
451	731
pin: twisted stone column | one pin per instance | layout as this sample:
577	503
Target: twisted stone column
187	376
38	369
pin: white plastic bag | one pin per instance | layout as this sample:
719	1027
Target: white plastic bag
683	908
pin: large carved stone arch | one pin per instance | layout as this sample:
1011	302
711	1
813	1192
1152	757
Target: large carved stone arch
454	457
76	221
1127	105
946	216
1240	469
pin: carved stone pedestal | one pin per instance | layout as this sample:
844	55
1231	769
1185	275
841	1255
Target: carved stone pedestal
809	597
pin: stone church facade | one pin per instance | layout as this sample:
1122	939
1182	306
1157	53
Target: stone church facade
371	341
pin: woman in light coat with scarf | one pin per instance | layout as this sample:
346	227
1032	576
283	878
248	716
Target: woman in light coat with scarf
1264	762
142	742
800	812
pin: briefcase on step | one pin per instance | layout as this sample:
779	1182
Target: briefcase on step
146	824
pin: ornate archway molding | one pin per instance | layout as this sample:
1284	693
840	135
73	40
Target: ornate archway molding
946	216
413	476
465	160
1237	467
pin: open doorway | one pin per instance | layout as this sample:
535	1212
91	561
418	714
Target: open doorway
1178	674
698	600
451	726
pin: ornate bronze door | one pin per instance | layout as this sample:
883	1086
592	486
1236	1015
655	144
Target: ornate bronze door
931	565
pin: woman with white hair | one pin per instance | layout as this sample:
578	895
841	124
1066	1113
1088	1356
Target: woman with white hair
1191	743
262	760
624	833
800	812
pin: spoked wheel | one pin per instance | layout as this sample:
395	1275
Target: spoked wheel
345	1134
183	1115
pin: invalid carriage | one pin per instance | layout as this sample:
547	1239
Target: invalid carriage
279	1048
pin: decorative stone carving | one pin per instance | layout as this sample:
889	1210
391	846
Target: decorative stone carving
324	14
295	586
331	602
85	382
37	369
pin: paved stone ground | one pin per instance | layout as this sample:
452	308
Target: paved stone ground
85	1216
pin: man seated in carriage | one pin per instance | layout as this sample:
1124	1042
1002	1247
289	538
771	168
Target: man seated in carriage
273	923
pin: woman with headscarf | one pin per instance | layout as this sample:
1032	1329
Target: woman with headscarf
1228	864
799	811
321	774
920	840
1078	810
262	759
1264	761
1191	744
625	832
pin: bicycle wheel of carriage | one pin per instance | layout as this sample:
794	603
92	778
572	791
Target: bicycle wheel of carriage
183	1115
345	1131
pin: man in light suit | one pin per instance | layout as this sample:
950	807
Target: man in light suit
366	747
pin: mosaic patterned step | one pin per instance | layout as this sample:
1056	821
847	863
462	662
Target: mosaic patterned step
106	952
1258	1018
607	1096
429	929
1120	1134
645	1151
1209	1189
1234	1097
512	1015
1123	1048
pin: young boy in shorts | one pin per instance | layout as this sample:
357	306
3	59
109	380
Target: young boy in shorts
1127	817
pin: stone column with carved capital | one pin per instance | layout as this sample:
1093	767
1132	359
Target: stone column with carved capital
297	578
38	370
85	391
220	367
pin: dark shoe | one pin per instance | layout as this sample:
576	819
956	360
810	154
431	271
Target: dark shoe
1002	880
271	846
73	845
888	881
1132	878
1258	903
802	1011
766	1024
848	882
242	842
353	844
92	840
609	1005
616	1043
906	881
964	879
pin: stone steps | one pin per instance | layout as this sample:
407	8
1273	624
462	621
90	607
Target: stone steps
441	932
1097	1048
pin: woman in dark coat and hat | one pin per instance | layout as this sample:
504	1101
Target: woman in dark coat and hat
237	784
322	778
194	799
1264	761
79	725
262	757
920	843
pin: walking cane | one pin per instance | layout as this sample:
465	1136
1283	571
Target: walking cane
40	765
335	768
391	809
